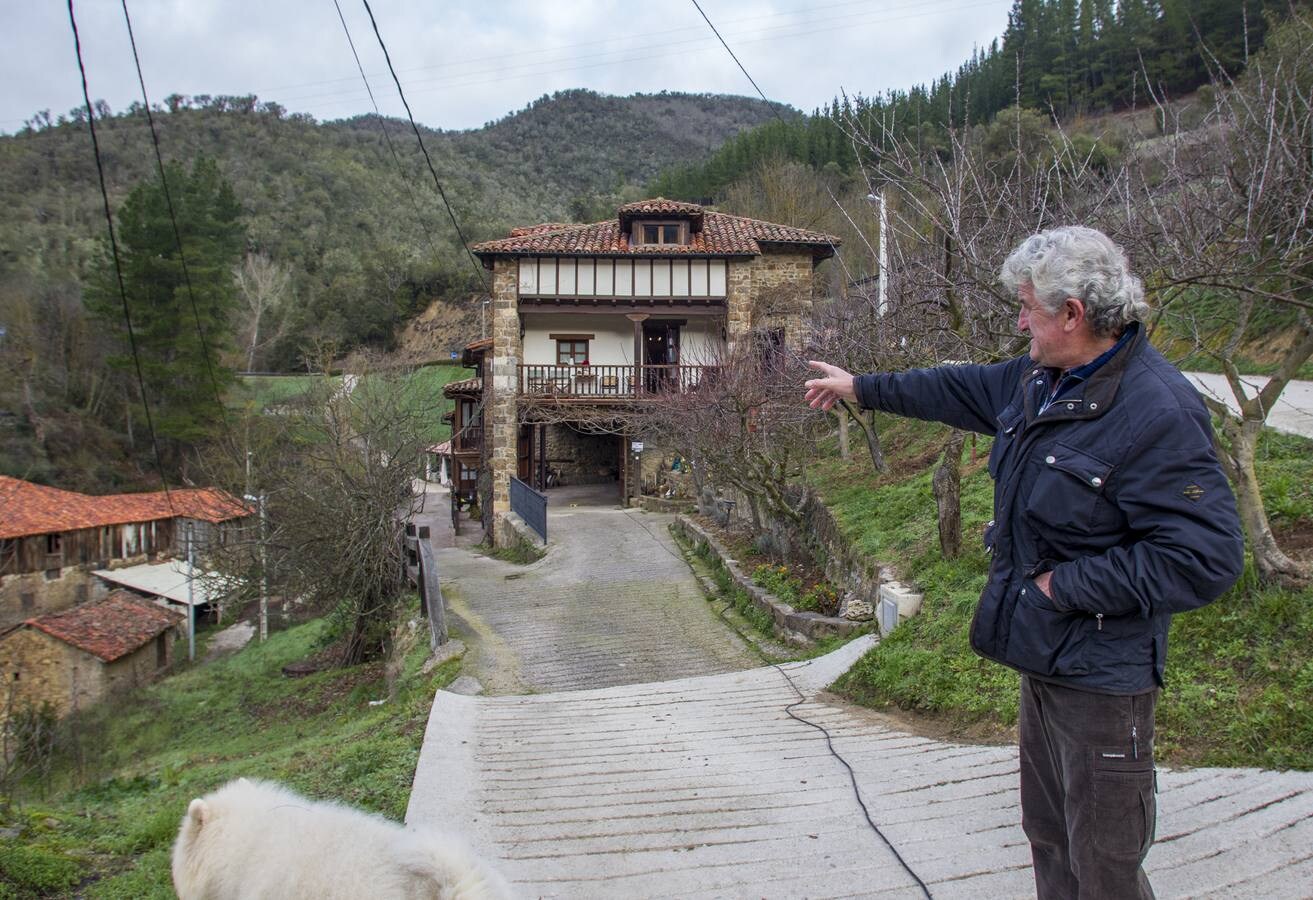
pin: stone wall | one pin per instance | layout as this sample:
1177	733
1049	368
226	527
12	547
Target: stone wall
783	291
501	419
51	671
738	301
33	594
773	290
820	540
582	458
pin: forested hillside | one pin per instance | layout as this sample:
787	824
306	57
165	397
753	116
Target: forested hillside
1064	58
334	244
327	203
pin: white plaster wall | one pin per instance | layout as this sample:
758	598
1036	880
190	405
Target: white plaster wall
612	344
613	341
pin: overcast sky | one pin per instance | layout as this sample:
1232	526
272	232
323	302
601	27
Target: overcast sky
464	64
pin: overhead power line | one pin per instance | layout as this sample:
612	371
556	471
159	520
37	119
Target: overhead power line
829	741
382	126
505	72
501	58
114	252
419	137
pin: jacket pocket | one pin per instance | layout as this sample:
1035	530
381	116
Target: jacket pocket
1043	639
1067	488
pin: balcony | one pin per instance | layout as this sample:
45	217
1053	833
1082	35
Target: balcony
468	439
602	384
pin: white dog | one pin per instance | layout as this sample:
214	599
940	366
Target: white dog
255	839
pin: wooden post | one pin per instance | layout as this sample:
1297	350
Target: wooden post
431	591
638	319
542	457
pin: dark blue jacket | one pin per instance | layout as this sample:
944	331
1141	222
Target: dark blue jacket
1115	488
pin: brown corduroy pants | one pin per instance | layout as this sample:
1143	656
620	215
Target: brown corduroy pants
1087	791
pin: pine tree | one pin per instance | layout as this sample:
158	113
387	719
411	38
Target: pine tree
181	370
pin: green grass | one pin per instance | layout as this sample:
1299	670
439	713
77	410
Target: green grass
522	553
1209	318
264	391
108	832
1240	672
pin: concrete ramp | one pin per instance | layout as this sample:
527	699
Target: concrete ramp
705	787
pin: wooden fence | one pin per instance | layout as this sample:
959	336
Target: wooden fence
422	572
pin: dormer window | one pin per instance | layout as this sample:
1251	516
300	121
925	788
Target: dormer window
659	233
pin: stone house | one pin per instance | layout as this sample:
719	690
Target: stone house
51	540
587	318
75	658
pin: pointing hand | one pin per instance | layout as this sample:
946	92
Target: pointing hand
834	385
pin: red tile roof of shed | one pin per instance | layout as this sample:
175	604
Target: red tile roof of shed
465	386
110	628
27	509
721	235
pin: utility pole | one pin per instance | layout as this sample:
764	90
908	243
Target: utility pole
264	578
882	302
483	319
191	604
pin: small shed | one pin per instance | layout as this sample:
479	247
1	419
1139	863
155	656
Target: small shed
74	659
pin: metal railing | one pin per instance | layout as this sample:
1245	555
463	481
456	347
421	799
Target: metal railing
529	505
610	382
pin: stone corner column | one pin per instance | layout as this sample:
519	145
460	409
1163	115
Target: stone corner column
738	302
502	418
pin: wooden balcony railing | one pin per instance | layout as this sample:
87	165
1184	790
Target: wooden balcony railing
467	439
610	382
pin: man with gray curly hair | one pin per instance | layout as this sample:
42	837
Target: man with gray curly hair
1111	513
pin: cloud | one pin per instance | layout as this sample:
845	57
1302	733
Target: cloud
466	64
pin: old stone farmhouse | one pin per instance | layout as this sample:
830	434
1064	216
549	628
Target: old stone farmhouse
591	317
51	540
75	658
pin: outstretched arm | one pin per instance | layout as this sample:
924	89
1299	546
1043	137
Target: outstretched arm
964	396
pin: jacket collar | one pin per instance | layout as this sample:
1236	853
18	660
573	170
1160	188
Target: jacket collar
1093	396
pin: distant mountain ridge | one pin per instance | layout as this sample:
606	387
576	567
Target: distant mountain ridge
326	200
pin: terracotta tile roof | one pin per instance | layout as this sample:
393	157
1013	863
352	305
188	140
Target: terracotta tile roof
540	228
27	508
660	206
483	343
465	386
721	235
110	628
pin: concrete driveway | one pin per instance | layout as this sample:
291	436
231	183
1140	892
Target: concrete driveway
1293	413
613	602
705	787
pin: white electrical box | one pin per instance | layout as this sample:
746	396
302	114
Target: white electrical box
887	612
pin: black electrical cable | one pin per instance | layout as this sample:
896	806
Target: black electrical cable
382	126
829	741
114	251
173	220
852	777
436	183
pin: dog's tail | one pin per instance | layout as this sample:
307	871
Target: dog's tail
448	862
